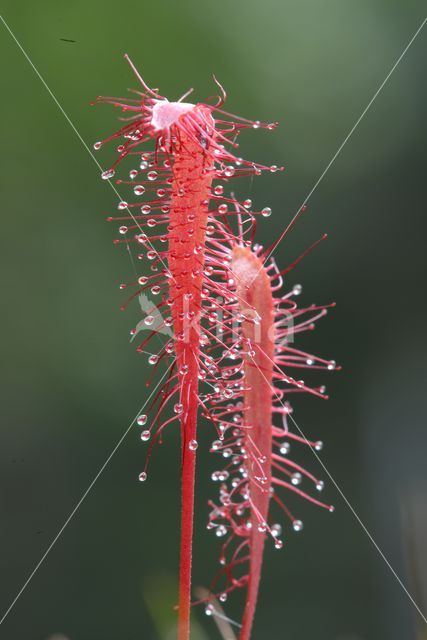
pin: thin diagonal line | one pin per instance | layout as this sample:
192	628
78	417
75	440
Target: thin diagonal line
268	255
74	128
274	247
85	494
346	139
76	131
101	470
79	503
359	520
399	580
217	614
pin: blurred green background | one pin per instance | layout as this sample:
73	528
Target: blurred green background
72	383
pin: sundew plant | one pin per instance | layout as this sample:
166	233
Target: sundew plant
231	324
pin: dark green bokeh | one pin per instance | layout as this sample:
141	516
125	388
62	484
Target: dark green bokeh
72	383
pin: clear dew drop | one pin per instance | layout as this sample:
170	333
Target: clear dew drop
152	175
153	359
142	419
229	171
220	476
320	485
223	597
122	205
332	365
318	445
276	530
97	145
209	609
145	435
285	448
133	174
296	478
123	230
142	280
149	320
178	408
139	190
297	289
221	531
297	525
142	477
192	445
266	212
106	175
278	544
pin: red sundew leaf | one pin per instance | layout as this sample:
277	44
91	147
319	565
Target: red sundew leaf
256	450
253	290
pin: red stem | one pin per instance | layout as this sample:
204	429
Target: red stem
192	178
189	429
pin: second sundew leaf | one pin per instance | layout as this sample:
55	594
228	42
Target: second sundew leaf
260	339
255	304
